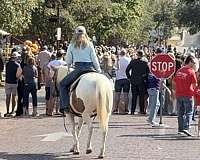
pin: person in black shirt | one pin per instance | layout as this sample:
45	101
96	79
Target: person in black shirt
30	74
13	72
139	71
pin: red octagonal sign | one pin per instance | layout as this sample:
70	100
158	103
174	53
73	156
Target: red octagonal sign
163	66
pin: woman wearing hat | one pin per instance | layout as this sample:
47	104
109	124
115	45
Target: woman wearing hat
81	54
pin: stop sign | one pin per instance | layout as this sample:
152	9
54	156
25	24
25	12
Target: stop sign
163	66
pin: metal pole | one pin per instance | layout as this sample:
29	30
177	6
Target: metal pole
58	15
161	103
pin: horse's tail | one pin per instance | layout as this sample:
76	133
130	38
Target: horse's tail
104	105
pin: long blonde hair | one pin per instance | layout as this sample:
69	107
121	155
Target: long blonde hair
80	44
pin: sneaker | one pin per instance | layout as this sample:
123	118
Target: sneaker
186	132
64	110
154	124
115	112
173	114
6	115
180	133
193	119
12	114
35	114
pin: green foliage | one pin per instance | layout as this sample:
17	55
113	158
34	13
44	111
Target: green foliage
167	14
16	14
188	14
111	21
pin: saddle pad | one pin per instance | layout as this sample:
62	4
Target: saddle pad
77	106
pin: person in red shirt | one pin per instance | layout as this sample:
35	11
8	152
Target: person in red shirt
185	82
197	97
197	103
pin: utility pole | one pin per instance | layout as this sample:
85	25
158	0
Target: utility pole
58	36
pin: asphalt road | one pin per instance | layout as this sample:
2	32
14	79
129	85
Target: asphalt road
129	137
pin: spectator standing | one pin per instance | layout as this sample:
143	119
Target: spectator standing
185	82
139	71
48	90
30	74
53	65
13	72
153	87
43	59
122	83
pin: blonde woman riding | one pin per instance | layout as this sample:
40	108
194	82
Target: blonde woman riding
81	54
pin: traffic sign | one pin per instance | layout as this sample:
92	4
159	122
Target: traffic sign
163	66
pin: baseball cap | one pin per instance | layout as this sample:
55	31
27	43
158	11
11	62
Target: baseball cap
80	30
159	50
140	53
123	50
15	55
45	47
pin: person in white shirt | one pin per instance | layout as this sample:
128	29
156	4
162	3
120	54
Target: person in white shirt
52	65
122	83
43	59
54	92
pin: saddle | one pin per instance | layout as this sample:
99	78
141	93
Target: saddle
77	106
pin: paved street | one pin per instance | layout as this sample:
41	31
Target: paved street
129	137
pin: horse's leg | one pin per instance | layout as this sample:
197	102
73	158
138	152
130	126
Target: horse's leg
90	131
75	148
76	141
80	125
102	152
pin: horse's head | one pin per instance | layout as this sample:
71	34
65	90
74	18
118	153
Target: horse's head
61	72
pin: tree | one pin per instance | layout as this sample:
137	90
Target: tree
188	13
111	21
16	15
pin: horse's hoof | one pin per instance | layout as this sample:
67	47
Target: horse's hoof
71	150
101	157
76	153
88	151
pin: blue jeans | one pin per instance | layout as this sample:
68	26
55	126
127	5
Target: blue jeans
154	103
30	88
64	86
185	110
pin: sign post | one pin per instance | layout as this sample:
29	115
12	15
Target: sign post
162	66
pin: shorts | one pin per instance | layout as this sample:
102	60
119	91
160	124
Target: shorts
122	84
11	89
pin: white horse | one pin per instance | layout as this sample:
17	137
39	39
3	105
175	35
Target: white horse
93	94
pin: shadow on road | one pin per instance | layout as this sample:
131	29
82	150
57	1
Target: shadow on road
173	137
45	156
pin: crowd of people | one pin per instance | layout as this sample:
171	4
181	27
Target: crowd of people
127	67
